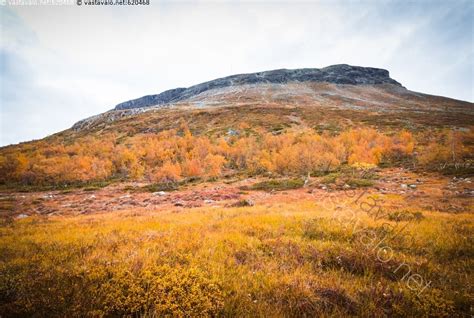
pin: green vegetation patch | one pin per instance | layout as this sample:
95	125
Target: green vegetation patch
63	187
276	185
404	215
330	178
360	183
155	187
354	178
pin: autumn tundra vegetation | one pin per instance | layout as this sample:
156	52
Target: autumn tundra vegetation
298	249
175	155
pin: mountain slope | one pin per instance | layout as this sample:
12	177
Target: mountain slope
337	74
258	128
363	94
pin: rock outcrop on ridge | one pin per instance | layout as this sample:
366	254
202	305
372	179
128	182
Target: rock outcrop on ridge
337	74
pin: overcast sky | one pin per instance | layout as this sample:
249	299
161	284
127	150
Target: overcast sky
60	64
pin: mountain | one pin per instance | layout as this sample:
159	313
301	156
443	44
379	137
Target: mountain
337	95
337	74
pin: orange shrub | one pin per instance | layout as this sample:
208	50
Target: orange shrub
214	164
127	163
445	149
192	168
402	144
169	172
173	154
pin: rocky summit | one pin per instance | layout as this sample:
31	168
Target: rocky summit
336	74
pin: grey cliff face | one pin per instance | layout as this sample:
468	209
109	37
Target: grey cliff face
151	100
337	74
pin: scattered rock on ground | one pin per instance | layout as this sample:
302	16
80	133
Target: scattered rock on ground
179	203
244	202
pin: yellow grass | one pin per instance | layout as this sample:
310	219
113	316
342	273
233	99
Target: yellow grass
308	258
